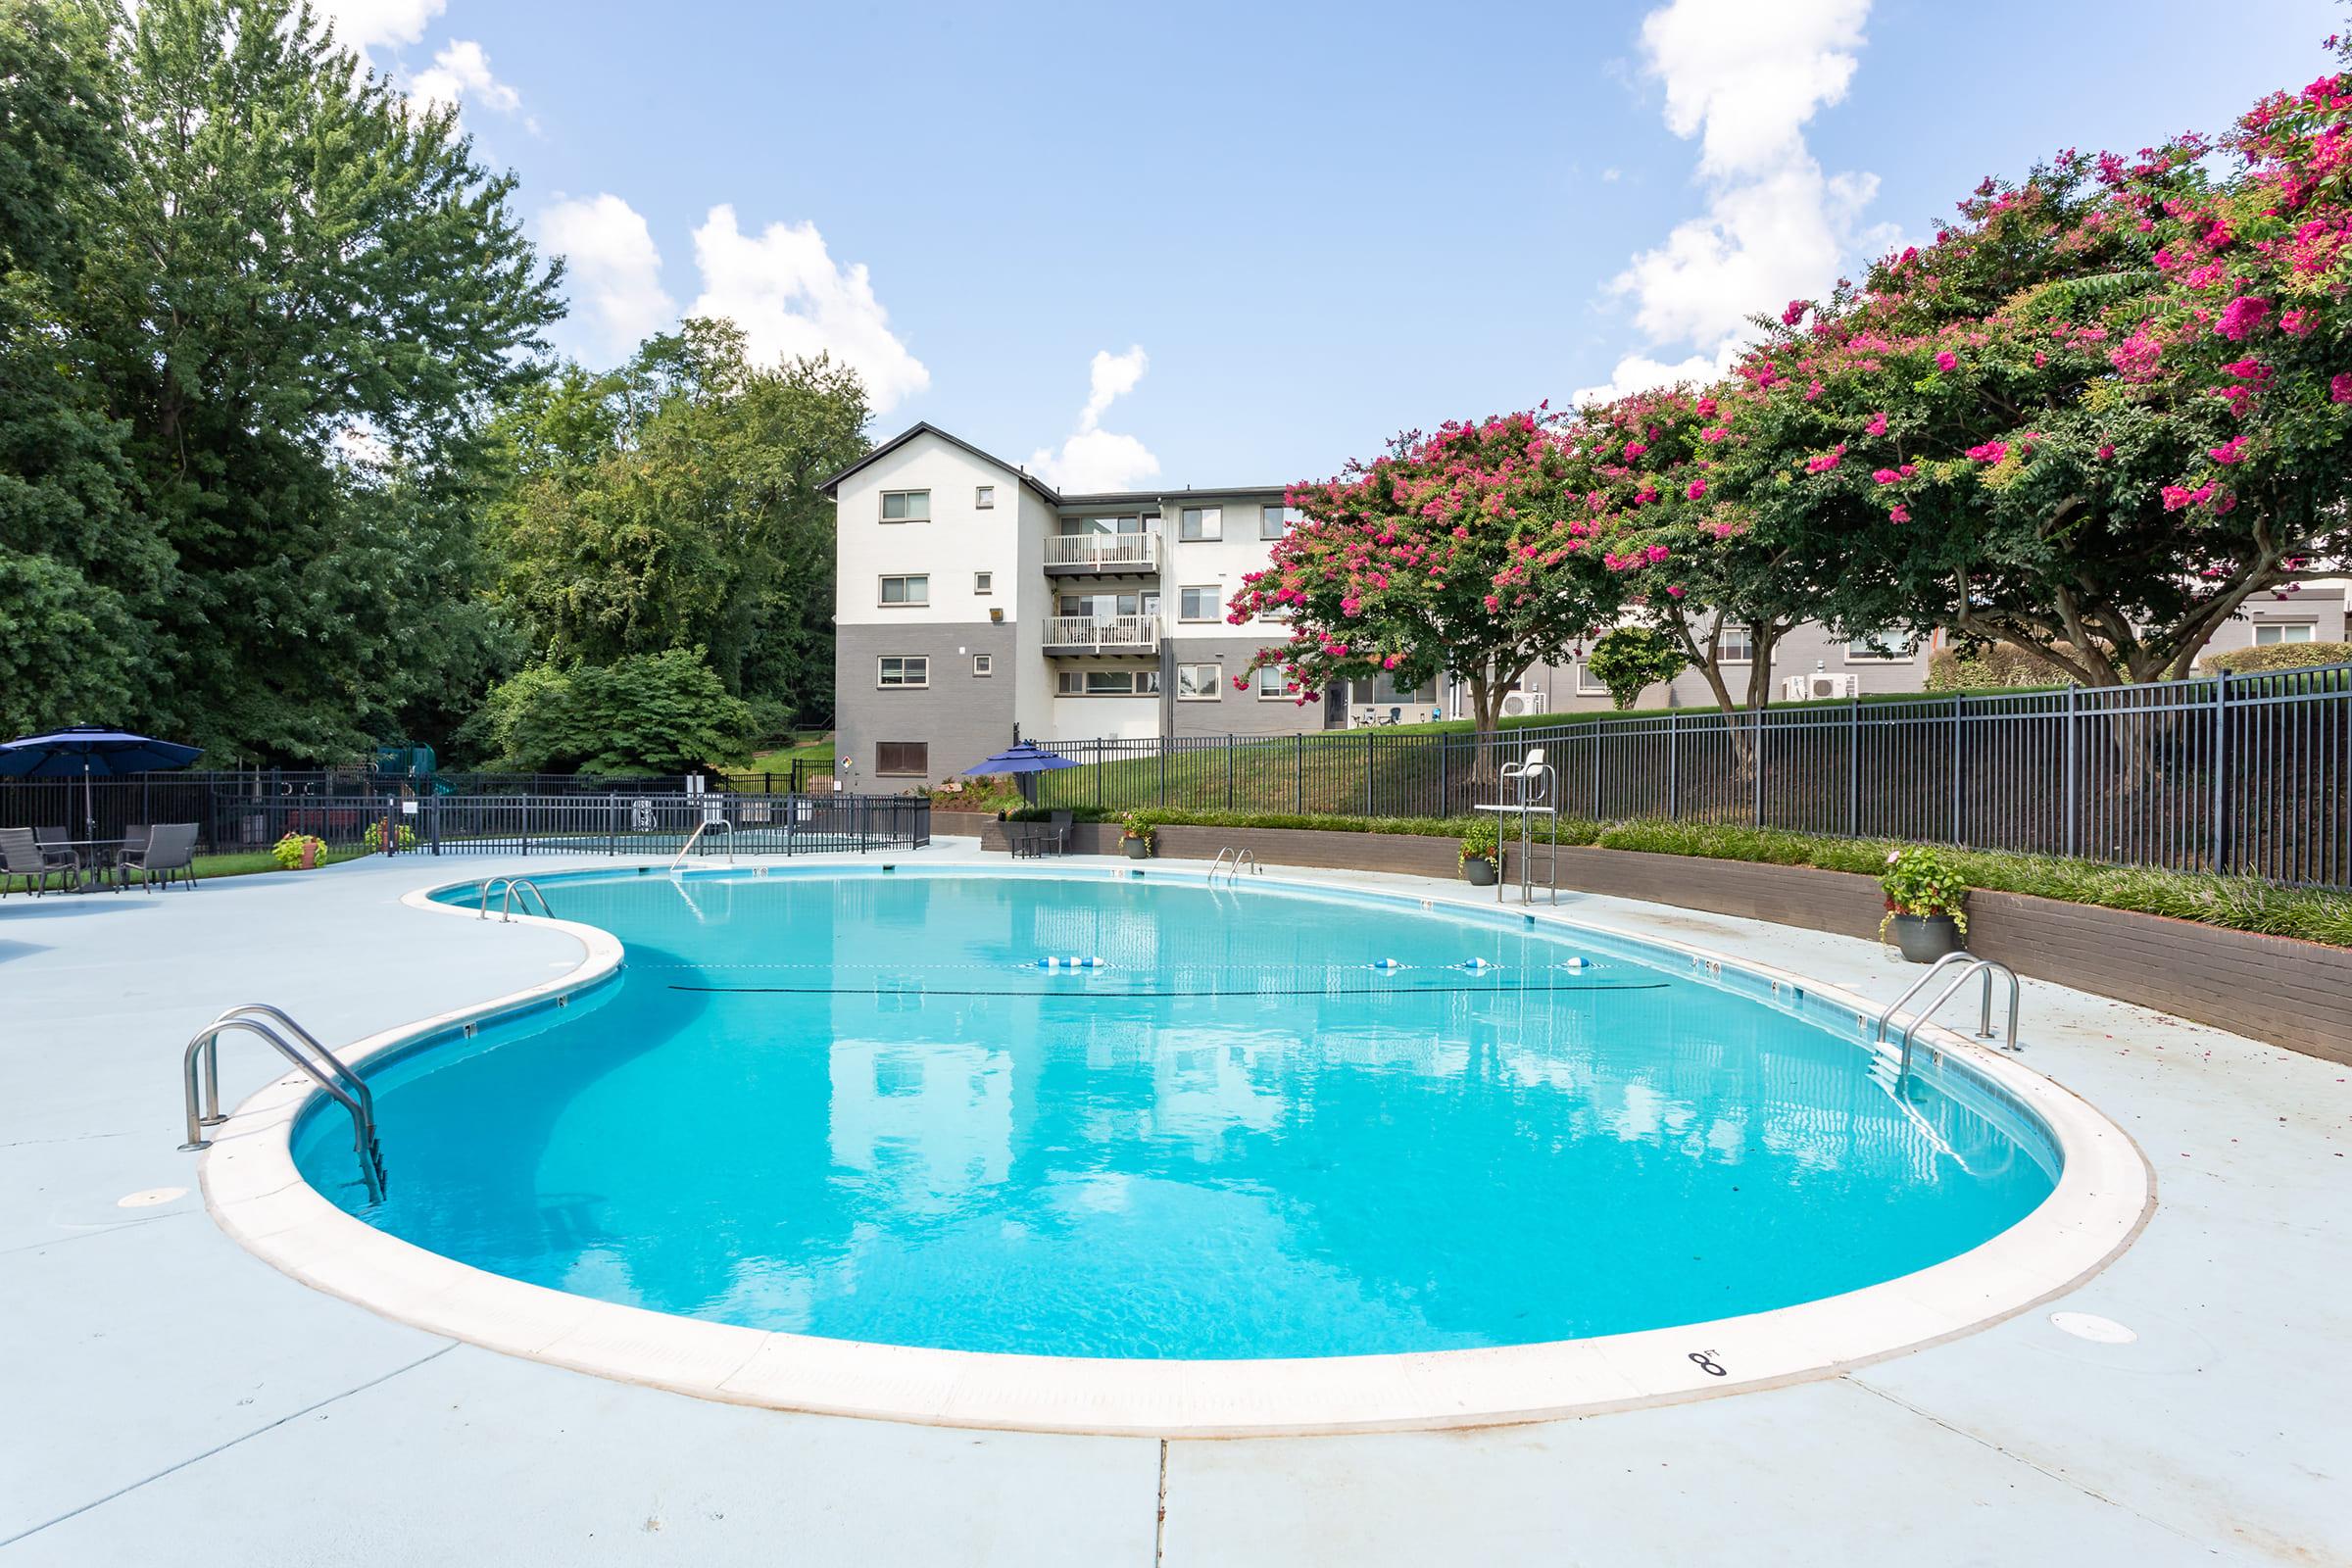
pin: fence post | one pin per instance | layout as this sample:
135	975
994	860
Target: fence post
613	822
1368	766
2068	832
1163	770
1444	775
1674	764
2219	771
1853	769
1957	704
1755	724
1299	772
1097	775
1228	772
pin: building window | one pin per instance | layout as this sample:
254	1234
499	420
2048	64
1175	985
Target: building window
1107	683
1588	684
984	663
1734	646
1102	525
903	758
1201	604
1105	607
1275	521
984	582
907	590
903	670
1274	686
1201	522
984	496
2271	635
905	506
1881	649
1200	683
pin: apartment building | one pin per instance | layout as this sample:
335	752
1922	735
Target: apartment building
974	600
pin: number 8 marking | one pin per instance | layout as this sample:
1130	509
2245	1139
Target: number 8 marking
1706	1363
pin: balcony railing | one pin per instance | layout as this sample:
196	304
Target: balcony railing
1103	552
1116	634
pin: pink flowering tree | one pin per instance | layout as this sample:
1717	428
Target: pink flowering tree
1459	552
2091	419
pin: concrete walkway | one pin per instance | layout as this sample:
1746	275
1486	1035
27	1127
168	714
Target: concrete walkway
165	1396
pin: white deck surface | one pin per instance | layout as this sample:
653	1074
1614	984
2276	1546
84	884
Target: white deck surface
166	1397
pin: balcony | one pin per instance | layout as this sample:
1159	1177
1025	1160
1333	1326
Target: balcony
1102	555
1117	634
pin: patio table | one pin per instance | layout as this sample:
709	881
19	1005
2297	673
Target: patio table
99	860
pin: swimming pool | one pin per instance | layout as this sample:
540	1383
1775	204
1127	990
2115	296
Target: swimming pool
851	1104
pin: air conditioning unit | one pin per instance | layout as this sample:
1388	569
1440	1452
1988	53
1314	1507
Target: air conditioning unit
1813	688
1518	705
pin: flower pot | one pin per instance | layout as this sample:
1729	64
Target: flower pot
309	855
1139	849
1925	938
1478	872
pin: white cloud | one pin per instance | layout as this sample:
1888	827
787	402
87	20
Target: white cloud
1638	372
366	25
1094	459
460	73
1745	78
614	272
784	289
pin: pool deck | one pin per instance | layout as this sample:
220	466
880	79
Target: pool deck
166	1396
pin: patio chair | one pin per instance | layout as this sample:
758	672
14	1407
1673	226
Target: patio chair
23	855
170	851
134	838
57	847
1058	828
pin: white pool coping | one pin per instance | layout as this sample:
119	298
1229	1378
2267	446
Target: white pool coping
2103	1197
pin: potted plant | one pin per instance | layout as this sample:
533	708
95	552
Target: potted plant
302	852
1135	835
1481	849
1927	904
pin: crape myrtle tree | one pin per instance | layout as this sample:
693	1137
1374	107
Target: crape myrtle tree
2098	414
1467	551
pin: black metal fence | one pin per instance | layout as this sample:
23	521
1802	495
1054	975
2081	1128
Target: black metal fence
2248	775
235	812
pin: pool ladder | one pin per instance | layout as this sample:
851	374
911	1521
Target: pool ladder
694	838
200	1072
1970	967
1240	861
513	887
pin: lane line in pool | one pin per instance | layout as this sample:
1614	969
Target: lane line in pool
1147	995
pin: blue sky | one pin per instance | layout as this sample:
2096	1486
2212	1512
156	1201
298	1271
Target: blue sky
1242	244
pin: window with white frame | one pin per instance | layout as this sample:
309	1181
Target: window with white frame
903	670
1274	686
1131	524
984	496
905	506
984	663
1275	521
1880	648
984	582
1201	604
1734	646
1106	682
914	590
1200	683
2269	634
1588	684
1201	522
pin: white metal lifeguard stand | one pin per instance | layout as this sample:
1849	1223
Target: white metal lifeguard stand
1533	787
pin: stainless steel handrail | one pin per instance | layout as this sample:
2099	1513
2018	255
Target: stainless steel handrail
695	837
204	1049
1217	864
1243	859
516	884
1971	968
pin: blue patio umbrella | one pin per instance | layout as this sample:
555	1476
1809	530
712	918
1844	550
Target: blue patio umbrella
1022	760
90	750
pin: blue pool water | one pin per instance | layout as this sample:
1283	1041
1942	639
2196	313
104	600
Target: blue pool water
852	1106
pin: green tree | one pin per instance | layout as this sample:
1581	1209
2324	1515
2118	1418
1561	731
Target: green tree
1632	659
665	713
676	503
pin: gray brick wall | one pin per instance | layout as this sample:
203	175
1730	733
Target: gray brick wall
1233	712
961	716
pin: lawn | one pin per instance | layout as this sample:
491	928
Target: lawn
814	754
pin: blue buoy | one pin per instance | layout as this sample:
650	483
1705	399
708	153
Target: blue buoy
1475	966
1576	963
1386	964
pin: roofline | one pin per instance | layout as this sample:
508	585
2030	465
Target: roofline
926	427
1098	498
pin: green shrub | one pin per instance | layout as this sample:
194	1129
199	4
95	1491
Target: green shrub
287	852
1923	881
1632	659
1993	666
1481	841
2280	656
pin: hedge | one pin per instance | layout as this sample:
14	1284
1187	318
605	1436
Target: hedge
2281	656
2235	902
